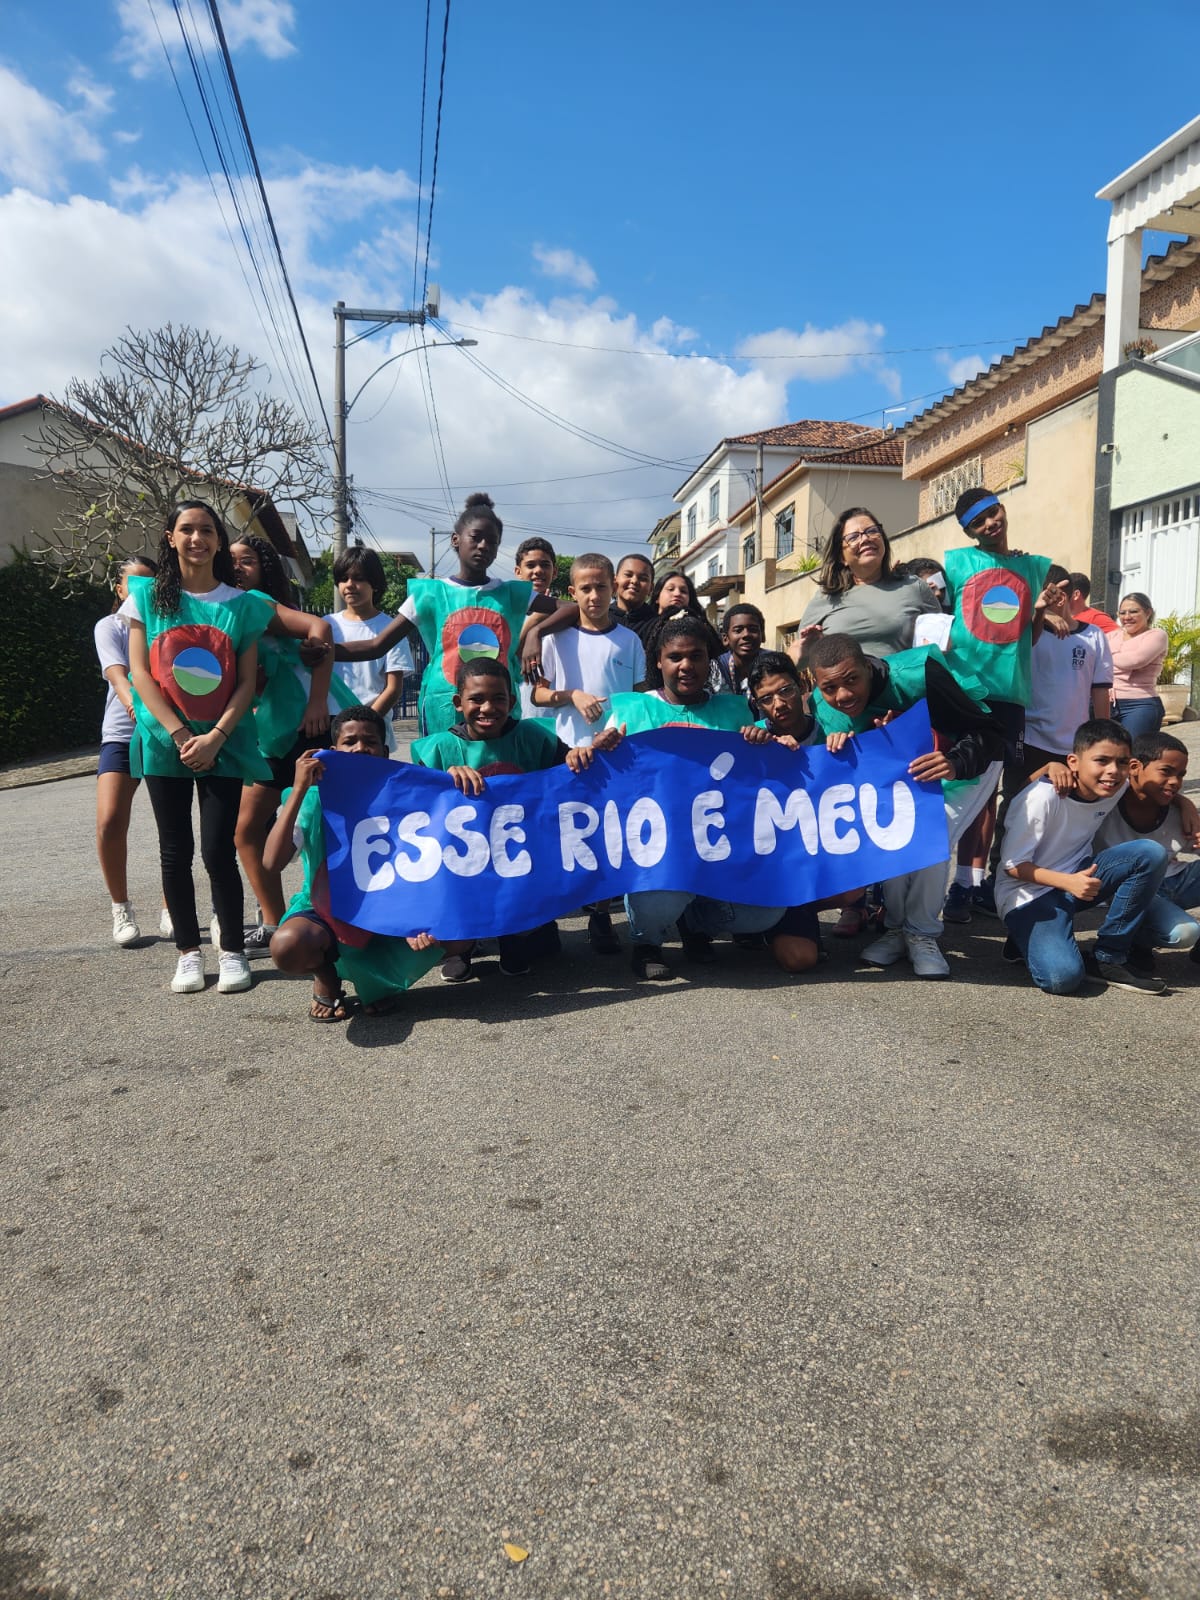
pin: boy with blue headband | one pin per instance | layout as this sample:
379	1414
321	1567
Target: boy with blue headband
999	606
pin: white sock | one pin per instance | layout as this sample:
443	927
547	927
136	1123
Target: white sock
978	874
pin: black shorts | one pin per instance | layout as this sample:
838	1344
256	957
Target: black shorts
335	949
797	922
283	768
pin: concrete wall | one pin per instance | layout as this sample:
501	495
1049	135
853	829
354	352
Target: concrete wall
27	508
1050	511
1156	431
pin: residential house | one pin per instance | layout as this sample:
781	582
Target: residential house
664	543
1147	513
1027	427
710	549
30	502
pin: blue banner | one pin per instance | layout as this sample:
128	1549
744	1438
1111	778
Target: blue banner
679	808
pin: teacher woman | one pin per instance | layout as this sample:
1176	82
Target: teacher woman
858	593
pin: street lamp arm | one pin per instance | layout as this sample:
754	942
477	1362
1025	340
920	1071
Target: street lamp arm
433	344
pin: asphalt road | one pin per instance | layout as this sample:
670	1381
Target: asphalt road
848	1287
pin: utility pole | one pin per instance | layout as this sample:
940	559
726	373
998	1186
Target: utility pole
758	503
342	313
434	535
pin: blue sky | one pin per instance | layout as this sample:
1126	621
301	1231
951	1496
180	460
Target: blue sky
843	187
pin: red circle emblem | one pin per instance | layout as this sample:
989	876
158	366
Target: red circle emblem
470	633
195	667
997	606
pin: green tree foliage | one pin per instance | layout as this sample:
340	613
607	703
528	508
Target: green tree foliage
562	578
51	691
320	595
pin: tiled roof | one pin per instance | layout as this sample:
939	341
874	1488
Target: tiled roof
884	448
812	434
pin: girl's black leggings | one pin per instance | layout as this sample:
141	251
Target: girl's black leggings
220	799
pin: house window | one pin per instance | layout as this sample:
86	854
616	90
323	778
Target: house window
714	567
691	525
749	553
945	489
714	502
785	532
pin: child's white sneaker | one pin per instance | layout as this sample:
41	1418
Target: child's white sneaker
887	949
926	956
166	928
189	973
234	972
125	928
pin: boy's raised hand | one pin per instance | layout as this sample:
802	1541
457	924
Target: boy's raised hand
756	735
837	741
1060	776
1084	885
420	941
579	757
589	706
466	780
309	770
936	767
610	738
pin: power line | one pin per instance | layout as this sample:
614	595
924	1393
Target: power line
421	157
585	434
697	355
215	13
437	144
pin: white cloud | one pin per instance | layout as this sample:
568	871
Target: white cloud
565	264
96	97
819	355
963	368
146	25
38	137
154	250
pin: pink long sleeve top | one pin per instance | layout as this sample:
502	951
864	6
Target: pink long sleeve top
1136	662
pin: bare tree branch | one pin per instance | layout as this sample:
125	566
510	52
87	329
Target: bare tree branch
174	414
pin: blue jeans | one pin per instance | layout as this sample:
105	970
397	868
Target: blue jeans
1138	717
1044	929
1167	923
654	913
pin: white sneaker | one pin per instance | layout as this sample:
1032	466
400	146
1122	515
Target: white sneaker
189	973
125	928
926	956
234	972
885	950
166	928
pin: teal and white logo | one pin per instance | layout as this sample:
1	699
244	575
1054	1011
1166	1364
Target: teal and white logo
197	671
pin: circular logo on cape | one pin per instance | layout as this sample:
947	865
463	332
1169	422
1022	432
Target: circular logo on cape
500	769
195	667
470	633
997	606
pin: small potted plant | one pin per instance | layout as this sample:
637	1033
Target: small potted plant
1183	652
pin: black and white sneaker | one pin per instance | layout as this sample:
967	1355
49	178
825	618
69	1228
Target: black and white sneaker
1012	953
258	940
1118	977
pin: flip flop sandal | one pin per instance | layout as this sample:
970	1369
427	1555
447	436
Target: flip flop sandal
326	1008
